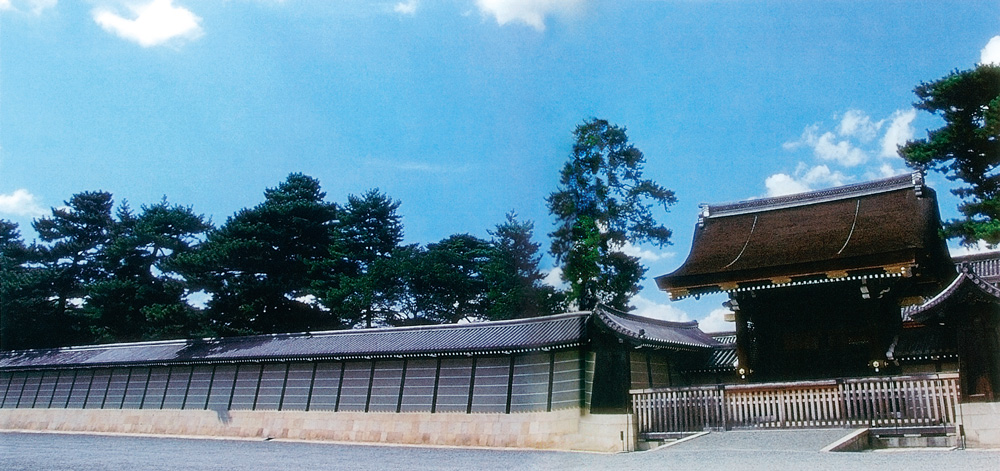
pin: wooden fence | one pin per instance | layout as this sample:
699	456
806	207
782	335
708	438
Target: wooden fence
900	401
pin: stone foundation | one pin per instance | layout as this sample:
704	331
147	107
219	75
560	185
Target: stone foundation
982	424
560	430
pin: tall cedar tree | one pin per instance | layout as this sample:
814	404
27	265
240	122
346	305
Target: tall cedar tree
261	267
966	148
602	203
514	281
370	289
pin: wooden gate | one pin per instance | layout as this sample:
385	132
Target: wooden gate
899	401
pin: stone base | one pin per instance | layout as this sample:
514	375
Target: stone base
982	424
568	429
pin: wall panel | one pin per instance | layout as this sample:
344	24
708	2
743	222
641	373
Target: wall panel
324	392
29	390
78	390
245	391
490	390
297	386
271	384
116	388
354	391
530	390
453	384
418	390
157	387
197	394
60	393
566	380
385	385
98	390
177	386
136	388
222	387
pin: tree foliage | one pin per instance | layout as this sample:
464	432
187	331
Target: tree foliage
369	289
603	203
449	284
966	148
262	265
514	281
294	262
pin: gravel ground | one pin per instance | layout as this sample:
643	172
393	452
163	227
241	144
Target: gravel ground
726	452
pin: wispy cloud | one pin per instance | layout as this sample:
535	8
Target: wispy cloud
900	130
20	203
529	12
414	166
153	24
857	146
407	8
35	7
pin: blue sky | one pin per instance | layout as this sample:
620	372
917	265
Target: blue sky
463	109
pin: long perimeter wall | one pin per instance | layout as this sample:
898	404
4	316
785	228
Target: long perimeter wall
536	400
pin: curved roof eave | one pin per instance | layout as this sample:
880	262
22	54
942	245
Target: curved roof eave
646	332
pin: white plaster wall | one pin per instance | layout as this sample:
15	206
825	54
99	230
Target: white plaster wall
567	429
982	424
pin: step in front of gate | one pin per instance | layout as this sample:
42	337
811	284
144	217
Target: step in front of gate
940	436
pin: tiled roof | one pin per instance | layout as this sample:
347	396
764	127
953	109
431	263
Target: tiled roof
486	337
880	228
924	343
652	332
968	280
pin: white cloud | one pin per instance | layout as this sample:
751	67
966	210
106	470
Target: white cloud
645	255
886	170
803	180
841	152
406	8
554	279
716	321
784	184
900	130
529	12
991	53
856	123
980	247
20	203
154	24
35	7
808	139
652	309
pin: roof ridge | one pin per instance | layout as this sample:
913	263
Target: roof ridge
651	320
294	335
871	187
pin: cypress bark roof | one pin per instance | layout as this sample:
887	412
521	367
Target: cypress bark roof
522	335
884	227
643	331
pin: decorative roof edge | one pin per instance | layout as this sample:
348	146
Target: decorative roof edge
913	180
312	357
308	334
966	275
610	318
684	293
